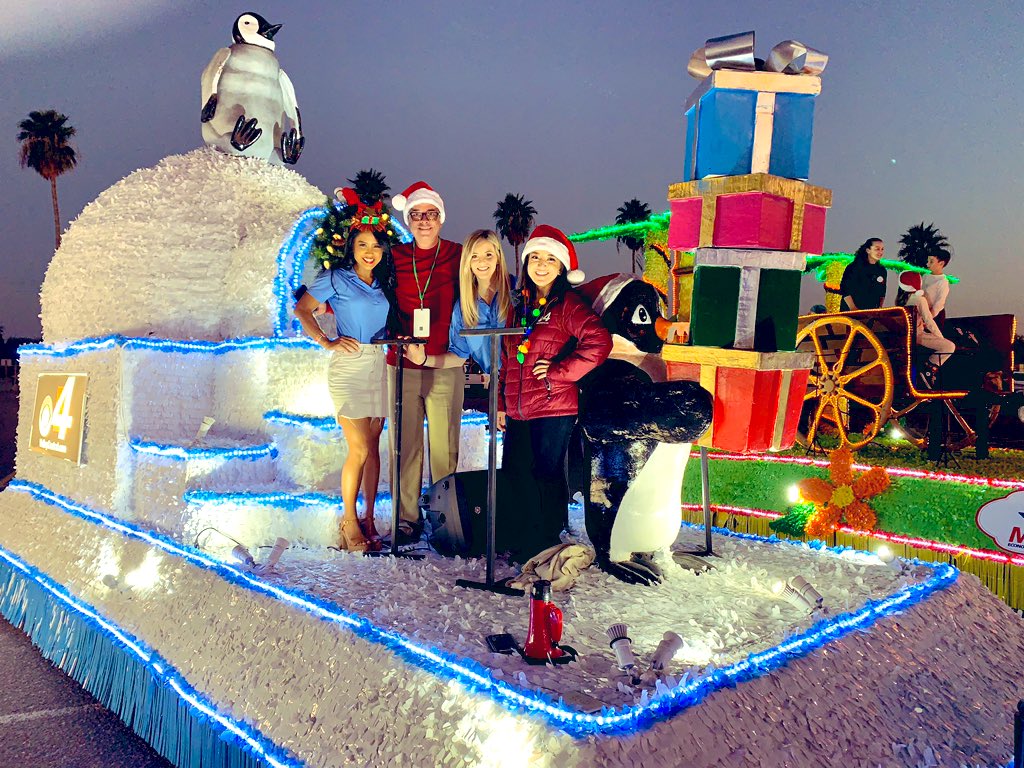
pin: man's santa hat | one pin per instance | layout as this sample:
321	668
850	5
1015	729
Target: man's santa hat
551	240
910	282
419	193
602	291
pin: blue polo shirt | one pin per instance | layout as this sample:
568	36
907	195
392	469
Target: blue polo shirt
360	310
477	347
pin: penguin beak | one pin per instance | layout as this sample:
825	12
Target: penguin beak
270	31
661	326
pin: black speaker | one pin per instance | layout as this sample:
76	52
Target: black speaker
456	510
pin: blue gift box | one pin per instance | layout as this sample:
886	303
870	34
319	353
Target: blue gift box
750	122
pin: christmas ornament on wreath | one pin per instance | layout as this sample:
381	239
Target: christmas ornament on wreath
349	213
844	499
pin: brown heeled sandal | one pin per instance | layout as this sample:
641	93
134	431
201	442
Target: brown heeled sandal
376	543
351	535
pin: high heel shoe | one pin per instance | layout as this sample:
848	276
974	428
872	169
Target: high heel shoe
352	538
372	537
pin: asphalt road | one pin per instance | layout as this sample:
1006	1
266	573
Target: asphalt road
48	721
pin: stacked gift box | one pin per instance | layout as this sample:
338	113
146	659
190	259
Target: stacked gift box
746	211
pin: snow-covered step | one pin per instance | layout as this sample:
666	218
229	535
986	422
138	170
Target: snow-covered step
163	472
257	517
312	449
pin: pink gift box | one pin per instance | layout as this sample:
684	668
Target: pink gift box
752	211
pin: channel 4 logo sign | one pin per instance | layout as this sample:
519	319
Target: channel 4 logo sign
1002	520
57	415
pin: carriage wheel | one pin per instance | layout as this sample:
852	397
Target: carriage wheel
851	374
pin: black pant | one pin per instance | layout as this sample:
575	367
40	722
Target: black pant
534	460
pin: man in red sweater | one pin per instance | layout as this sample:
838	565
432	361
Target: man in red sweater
427	274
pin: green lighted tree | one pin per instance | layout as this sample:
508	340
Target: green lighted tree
629	212
45	149
919	242
513	218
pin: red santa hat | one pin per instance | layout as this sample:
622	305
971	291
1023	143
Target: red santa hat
602	291
551	240
419	193
910	282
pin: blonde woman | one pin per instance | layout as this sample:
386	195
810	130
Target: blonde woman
485	301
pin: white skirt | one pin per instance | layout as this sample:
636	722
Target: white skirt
358	382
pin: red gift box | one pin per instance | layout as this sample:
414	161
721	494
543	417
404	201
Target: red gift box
758	396
752	211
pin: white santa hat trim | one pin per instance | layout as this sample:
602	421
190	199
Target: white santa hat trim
610	292
557	249
419	193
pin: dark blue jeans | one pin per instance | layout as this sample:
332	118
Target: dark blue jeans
533	458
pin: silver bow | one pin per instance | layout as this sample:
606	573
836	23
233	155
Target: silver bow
737	52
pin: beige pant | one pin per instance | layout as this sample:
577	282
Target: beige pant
436	393
942	346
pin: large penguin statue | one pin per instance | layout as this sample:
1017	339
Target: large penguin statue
249	106
636	430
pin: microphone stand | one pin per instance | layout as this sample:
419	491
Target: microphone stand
490	585
399	345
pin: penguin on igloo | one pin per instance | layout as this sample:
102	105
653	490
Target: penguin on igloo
635	434
249	105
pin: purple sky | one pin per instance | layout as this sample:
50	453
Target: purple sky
576	105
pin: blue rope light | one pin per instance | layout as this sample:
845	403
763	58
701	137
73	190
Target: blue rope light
248	738
469	419
289	501
197	453
478	679
165	345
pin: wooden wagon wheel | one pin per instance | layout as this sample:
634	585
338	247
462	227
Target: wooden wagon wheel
847	354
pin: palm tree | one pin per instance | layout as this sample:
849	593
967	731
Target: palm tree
629	212
370	185
513	219
919	242
45	149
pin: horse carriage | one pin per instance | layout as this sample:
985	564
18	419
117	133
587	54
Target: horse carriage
867	373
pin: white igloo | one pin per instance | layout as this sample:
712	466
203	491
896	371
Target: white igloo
187	249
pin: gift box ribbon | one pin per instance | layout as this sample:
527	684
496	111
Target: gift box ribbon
790	57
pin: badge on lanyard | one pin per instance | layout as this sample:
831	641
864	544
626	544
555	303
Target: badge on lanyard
421	322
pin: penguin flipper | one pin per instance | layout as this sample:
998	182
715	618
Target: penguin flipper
245	133
288	101
210	80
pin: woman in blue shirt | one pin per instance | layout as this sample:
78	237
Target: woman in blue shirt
361	292
485	301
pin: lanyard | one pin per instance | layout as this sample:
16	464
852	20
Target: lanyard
415	275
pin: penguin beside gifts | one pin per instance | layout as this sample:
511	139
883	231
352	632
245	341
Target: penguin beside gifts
635	433
249	106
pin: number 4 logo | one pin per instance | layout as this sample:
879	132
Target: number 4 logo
58	415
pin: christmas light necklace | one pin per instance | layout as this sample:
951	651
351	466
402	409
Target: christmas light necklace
528	322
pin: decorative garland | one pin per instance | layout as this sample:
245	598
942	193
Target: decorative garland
328	248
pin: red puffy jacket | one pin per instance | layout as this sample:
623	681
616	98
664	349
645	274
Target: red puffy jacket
572	336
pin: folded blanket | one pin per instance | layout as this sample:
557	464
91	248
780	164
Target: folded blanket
561	565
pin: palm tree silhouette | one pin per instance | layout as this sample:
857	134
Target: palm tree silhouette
629	212
919	242
45	149
513	218
370	185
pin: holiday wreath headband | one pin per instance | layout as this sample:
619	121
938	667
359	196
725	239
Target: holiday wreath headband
349	214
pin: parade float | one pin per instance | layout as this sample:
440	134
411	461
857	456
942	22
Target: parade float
175	431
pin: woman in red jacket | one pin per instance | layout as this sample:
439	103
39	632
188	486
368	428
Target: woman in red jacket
538	399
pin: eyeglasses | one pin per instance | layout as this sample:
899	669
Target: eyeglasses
424	215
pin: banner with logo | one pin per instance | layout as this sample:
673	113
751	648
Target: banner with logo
1002	520
57	415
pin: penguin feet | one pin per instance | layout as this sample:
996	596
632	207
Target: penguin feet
291	146
639	569
245	133
209	109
